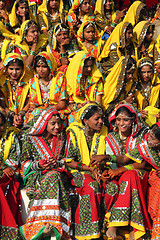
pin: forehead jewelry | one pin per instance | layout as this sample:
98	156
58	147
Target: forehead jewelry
60	29
40	61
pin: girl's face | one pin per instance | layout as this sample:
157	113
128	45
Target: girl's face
2	3
89	34
129	34
149	35
2	127
85	6
124	122
53	126
32	35
95	122
152	140
42	70
87	68
54	4
23	9
61	36
14	71
129	75
108	4
146	73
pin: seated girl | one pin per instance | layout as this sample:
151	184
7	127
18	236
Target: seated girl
62	45
89	39
47	87
19	14
79	13
4	16
42	149
50	13
84	83
30	42
14	80
10	200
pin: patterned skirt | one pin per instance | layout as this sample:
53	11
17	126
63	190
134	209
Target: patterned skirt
130	207
86	210
49	203
154	204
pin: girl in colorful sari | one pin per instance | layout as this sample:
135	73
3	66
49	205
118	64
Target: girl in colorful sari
19	14
86	138
89	39
130	206
80	12
62	45
30	42
106	18
84	83
120	43
10	200
147	93
14	78
42	150
50	13
47	87
157	56
143	34
120	84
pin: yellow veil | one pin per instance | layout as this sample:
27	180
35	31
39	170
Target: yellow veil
133	13
77	128
13	17
157	50
139	33
117	37
99	8
74	73
114	82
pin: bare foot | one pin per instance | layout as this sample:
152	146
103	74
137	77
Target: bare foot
111	232
47	231
131	235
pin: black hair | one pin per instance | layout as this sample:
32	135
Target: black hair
156	131
2	116
37	58
125	109
18	61
62	25
88	59
150	26
129	26
17	5
130	63
91	112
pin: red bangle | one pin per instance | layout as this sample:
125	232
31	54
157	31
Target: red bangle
82	167
76	165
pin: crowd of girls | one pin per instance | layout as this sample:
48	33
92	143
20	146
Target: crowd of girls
80	119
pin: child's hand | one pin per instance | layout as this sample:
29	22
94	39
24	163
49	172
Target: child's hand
113	172
105	176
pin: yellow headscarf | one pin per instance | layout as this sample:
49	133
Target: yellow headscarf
23	81
139	33
43	9
114	82
117	37
74	74
99	8
42	39
9	39
13	16
133	13
77	128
